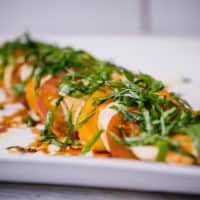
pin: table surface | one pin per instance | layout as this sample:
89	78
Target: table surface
13	191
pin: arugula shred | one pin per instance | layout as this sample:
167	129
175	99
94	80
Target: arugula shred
47	134
18	88
89	145
69	124
128	115
29	121
162	150
148	124
79	124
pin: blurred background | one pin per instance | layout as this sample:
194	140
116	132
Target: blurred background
101	17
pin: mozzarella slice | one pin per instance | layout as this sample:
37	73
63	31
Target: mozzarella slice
105	115
148	153
25	71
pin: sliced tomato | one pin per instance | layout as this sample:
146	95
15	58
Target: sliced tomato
176	158
117	149
90	127
31	96
186	144
112	121
47	96
11	76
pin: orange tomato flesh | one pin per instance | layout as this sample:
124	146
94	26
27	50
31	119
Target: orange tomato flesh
31	96
11	76
186	144
47	93
47	96
117	150
176	158
88	129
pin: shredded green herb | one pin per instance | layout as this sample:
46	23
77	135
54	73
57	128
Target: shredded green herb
69	124
88	146
18	88
162	150
79	124
47	134
29	121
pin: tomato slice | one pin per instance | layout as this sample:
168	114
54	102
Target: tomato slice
11	77
47	95
89	128
111	121
12	74
31	96
186	144
176	158
117	149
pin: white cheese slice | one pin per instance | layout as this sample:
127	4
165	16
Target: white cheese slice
105	115
145	152
25	71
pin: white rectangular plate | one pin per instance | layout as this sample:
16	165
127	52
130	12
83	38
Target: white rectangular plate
113	173
167	59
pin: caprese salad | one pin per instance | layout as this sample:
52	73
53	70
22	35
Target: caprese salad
89	106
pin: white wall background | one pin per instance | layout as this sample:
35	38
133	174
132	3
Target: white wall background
124	17
178	17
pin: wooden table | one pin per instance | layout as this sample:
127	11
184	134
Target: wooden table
14	191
